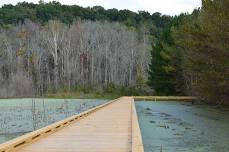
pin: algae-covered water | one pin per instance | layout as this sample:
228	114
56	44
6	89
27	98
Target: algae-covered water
20	116
169	126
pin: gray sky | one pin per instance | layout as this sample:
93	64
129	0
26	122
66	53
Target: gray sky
169	7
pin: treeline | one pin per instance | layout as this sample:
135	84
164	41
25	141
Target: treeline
43	12
192	54
37	59
50	47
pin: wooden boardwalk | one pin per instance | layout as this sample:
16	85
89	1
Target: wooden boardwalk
112	127
177	98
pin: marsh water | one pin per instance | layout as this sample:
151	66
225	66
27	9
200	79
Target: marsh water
166	126
20	116
170	126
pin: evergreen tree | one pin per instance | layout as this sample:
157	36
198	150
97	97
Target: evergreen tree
203	39
165	75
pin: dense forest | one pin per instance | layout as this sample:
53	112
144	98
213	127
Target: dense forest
56	56
192	54
50	47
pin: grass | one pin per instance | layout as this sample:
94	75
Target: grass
80	95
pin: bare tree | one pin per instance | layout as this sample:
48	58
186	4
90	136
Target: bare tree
57	56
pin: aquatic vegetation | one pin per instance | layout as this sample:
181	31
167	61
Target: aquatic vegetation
179	126
20	116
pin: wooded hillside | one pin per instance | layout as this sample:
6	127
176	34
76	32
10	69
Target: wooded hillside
50	47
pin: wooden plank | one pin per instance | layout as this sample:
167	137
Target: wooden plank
109	129
137	144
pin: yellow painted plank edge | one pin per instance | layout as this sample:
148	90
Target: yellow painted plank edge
26	139
137	144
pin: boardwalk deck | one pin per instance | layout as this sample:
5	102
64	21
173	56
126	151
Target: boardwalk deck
113	128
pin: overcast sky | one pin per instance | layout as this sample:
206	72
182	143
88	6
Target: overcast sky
169	7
